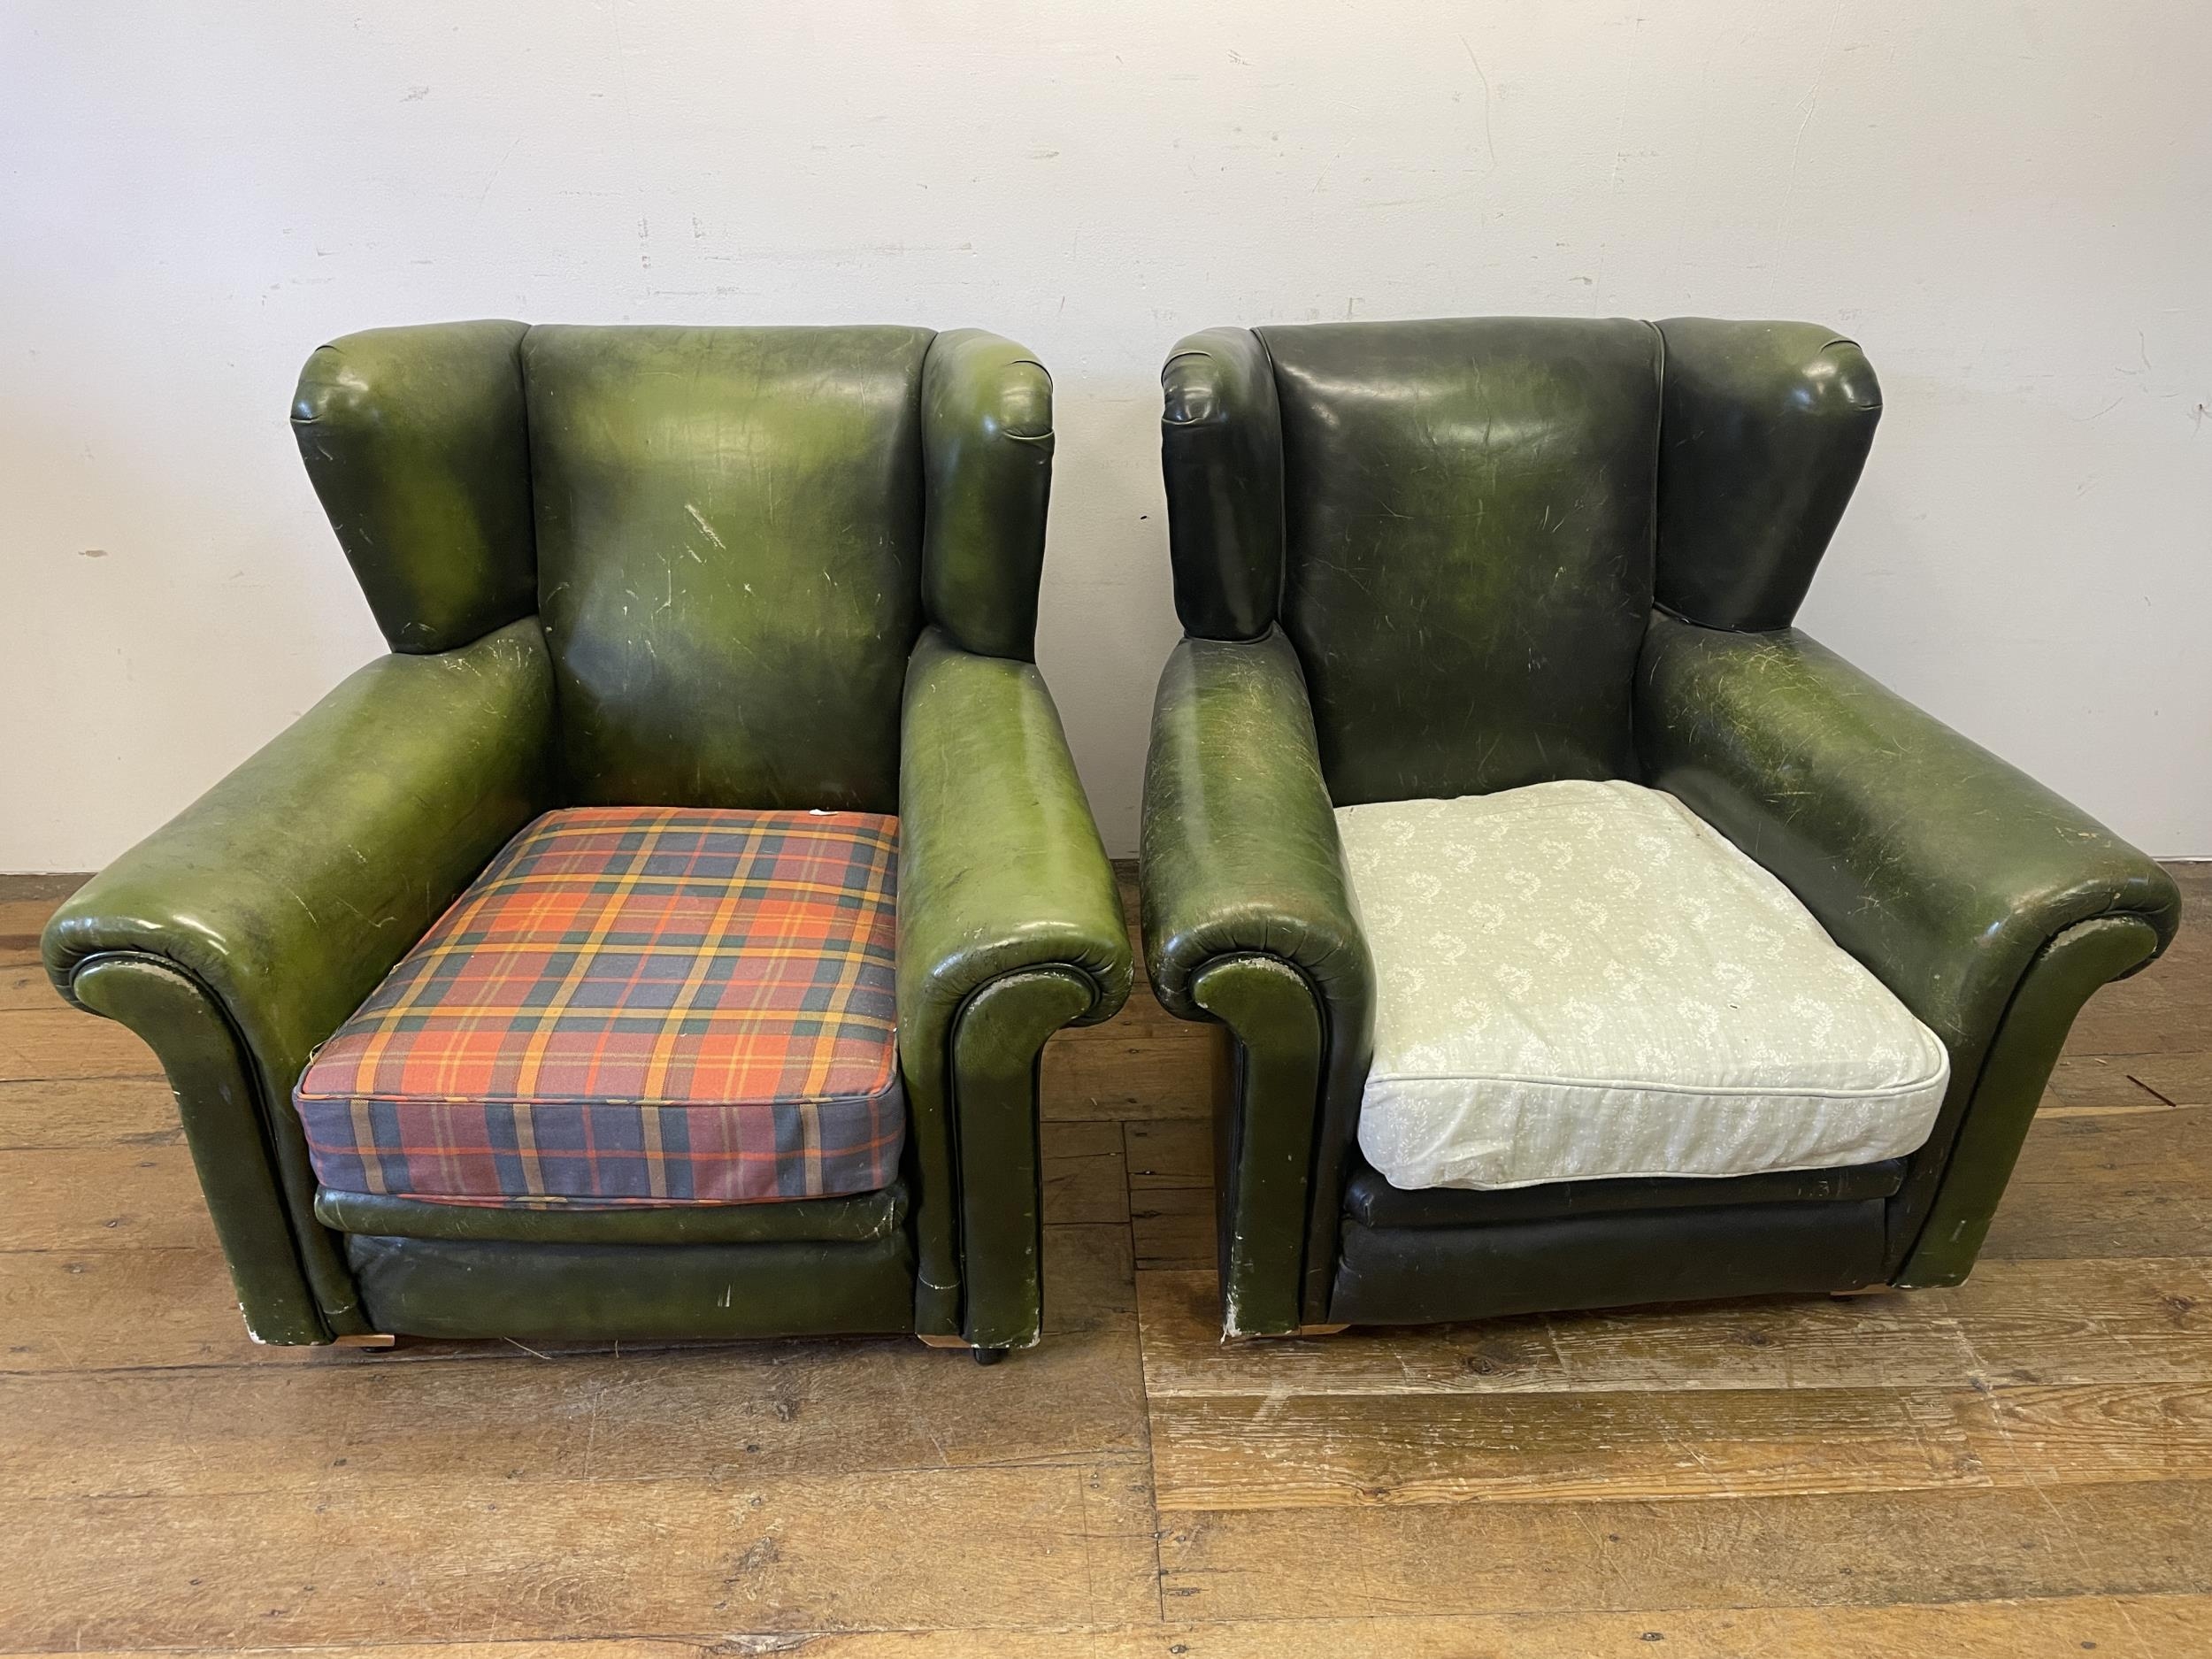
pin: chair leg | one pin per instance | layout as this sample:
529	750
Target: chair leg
983	1355
1284	1336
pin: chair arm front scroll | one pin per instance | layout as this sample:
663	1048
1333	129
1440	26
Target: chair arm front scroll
1248	920
239	936
1009	927
1989	906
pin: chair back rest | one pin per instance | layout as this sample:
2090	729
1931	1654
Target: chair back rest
1462	526
1468	511
729	533
731	537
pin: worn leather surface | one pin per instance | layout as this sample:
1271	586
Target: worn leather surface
1937	865
1473	518
287	891
213	1076
998	1039
1240	858
1371	1200
865	1215
1937	1232
729	531
1265	1141
986	443
1468	546
1001	873
1423	1275
416	443
1766	429
740	530
1240	852
645	1292
1221	451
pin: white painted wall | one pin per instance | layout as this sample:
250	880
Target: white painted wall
2011	204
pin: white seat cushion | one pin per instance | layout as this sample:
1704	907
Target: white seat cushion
1576	980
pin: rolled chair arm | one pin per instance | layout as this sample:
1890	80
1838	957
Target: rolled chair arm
239	936
1989	905
1247	919
1009	927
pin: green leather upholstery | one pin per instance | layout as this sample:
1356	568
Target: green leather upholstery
1467	565
291	1287
1402	1276
729	558
1421	560
646	565
416	442
1766	428
281	898
865	1215
1242	879
1944	870
632	1293
1371	1199
987	449
1221	449
1002	878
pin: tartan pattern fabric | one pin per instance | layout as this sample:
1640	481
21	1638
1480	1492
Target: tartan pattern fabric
654	1005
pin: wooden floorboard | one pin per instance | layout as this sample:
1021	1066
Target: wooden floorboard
88	1112
1849	1549
101	1198
2058	1627
2079	1321
2138	1184
2018	1466
487	1558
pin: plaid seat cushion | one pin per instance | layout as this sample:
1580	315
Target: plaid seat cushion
651	1005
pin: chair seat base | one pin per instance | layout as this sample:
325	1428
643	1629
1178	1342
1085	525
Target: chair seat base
853	1220
1373	1201
1438	1275
669	1293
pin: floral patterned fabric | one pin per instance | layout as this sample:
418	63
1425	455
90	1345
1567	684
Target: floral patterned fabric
1581	980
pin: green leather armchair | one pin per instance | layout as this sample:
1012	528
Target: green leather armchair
1440	559
791	569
